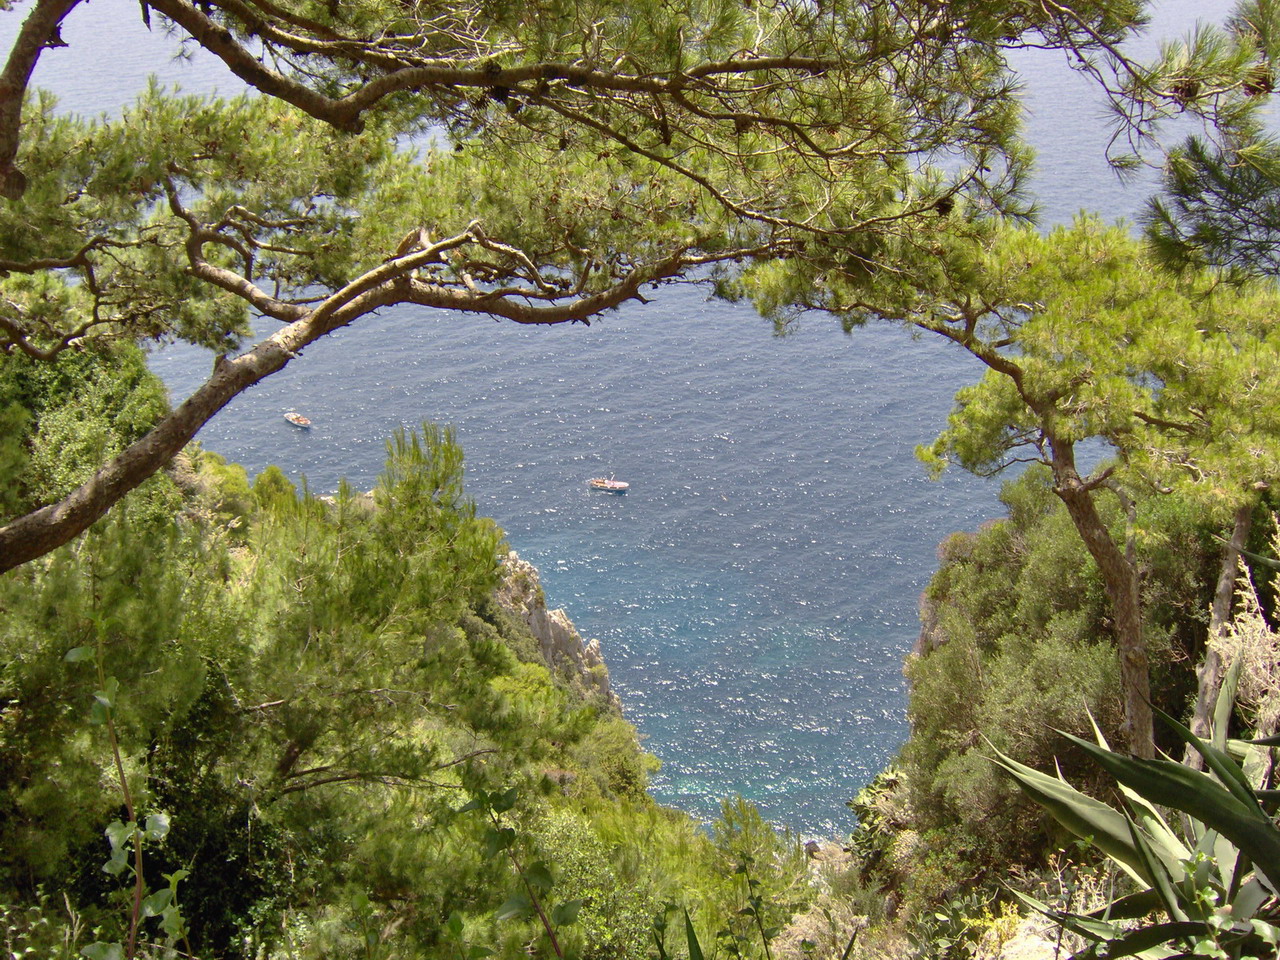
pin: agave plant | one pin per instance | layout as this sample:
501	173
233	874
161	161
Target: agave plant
1207	889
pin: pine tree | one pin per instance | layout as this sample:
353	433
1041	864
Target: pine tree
569	158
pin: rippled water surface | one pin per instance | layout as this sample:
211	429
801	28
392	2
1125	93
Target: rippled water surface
756	588
755	591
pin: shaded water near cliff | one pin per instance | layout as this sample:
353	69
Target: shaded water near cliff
755	591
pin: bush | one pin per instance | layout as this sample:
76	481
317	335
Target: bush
1017	642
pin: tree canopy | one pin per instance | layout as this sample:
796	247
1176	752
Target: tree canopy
562	159
1086	339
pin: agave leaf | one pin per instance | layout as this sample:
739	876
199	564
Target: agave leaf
1162	882
1088	927
1231	866
1270	884
1169	846
1127	908
1138	942
1256	764
1152	822
1080	814
1224	768
1097	730
691	938
1173	785
1251	896
1226	703
1271	741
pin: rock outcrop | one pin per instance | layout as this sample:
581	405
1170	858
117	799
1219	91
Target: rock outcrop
566	653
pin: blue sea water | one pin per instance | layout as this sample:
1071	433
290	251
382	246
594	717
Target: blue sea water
756	590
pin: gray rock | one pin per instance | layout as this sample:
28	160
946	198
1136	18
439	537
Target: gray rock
562	646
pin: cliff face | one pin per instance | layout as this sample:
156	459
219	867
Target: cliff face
566	653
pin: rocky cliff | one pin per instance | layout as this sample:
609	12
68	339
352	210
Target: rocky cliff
576	660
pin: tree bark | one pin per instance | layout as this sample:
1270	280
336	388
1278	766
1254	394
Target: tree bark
43	530
49	527
1209	673
38	31
1120	580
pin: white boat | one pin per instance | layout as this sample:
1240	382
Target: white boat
608	484
298	420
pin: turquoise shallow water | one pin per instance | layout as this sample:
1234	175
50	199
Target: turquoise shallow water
755	591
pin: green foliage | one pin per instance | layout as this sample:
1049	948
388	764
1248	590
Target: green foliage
58	421
1015	644
542	166
1014	621
949	931
617	892
620	767
767	871
308	689
273	490
1084	339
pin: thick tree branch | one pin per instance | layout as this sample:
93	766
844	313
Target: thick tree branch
49	527
345	112
38	31
19	338
1120	581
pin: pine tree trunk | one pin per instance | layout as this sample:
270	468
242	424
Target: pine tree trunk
1209	673
1120	580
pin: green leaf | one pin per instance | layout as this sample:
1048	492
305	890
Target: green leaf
517	906
118	863
1162	882
1082	815
1227	770
76	654
171	922
454	925
119	834
107	695
1268	932
1089	927
154	905
1226	704
503	802
1250	897
497	839
103	951
566	913
691	937
157	826
1171	848
538	876
1128	908
1173	785
1144	938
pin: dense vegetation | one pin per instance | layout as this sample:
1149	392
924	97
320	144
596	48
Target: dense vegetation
333	741
333	738
1015	651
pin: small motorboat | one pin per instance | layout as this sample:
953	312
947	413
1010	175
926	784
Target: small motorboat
608	485
298	420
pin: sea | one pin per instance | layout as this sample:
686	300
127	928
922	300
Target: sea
756	589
